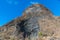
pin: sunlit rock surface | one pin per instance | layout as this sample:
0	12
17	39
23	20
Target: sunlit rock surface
36	23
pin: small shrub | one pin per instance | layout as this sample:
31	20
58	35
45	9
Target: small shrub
40	34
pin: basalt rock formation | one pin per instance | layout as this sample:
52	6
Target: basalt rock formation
36	23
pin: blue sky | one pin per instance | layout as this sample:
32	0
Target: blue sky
10	9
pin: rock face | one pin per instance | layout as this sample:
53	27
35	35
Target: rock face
36	23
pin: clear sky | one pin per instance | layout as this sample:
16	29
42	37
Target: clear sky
10	9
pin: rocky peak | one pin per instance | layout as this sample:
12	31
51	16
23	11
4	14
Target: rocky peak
36	23
37	10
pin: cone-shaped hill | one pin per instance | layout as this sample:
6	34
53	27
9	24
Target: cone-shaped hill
36	23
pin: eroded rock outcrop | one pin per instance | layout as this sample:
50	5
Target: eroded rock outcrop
36	23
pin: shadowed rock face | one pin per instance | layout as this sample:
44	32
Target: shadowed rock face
36	23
